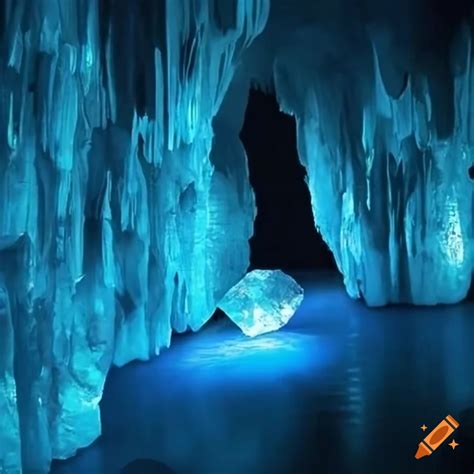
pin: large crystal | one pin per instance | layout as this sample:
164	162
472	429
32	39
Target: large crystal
263	301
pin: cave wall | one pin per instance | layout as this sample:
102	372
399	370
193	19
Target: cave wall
116	226
383	96
389	181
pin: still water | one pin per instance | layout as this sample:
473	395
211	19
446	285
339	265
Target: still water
342	389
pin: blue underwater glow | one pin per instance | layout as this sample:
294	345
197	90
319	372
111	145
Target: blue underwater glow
263	301
125	202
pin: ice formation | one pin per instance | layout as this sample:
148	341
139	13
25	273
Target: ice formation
388	172
125	205
116	226
263	301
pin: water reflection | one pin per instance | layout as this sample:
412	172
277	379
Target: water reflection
343	389
226	351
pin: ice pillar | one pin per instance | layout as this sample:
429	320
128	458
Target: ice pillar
389	181
115	225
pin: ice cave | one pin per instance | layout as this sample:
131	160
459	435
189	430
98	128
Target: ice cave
127	213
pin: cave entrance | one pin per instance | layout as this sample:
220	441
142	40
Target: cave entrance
284	234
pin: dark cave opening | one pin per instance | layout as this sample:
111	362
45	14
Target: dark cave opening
471	173
284	233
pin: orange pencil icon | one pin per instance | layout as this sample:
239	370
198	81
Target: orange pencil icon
437	437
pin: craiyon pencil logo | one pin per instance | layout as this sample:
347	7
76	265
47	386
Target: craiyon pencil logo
437	437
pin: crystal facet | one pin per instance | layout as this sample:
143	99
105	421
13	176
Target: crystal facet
263	301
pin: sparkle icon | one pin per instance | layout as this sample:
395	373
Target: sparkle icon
453	444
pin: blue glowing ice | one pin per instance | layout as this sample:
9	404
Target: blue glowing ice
118	223
387	170
263	301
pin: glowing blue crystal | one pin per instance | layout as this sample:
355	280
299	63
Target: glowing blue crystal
263	301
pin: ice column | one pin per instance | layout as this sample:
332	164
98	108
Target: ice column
115	226
390	192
